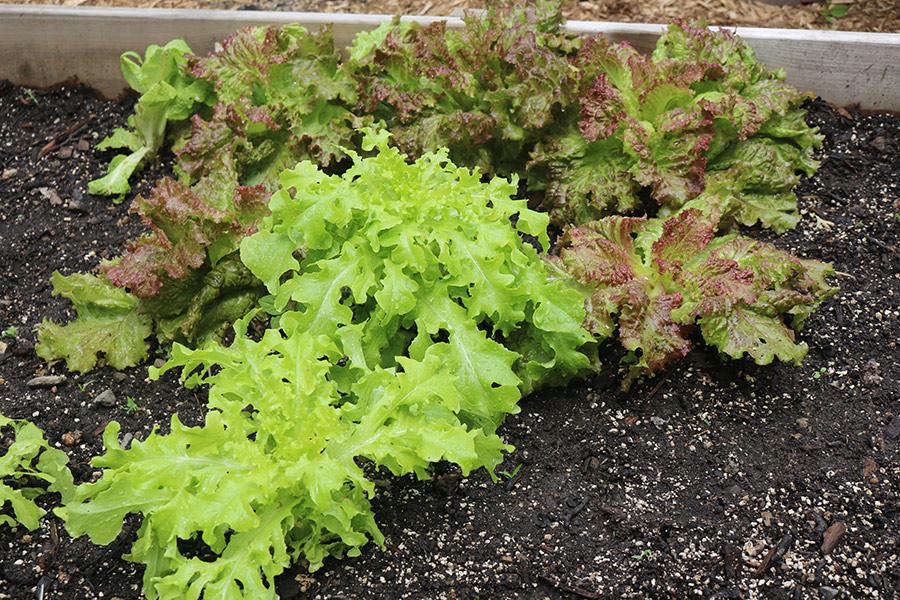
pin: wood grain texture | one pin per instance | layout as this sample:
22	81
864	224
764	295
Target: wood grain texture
43	45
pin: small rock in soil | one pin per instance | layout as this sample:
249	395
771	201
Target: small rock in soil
71	438
879	143
65	152
105	399
8	174
786	542
893	429
83	145
46	381
828	593
119	376
869	467
871	375
51	195
75	206
832	536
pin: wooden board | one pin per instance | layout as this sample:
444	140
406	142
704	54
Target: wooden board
43	45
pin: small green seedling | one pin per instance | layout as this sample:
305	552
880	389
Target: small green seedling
31	96
647	553
831	11
131	406
10	332
513	473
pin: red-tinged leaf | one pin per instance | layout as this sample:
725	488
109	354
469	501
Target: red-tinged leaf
720	284
683	237
770	265
670	157
251	204
647	328
148	259
251	197
208	137
184	225
258	114
172	203
601	110
245	57
582	180
486	91
601	252
701	96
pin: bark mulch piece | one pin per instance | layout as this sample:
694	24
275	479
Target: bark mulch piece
718	479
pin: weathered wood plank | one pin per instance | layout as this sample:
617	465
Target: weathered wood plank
42	45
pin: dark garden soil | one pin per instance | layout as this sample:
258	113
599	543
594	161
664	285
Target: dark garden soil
715	480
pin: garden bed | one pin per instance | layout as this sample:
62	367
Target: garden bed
716	477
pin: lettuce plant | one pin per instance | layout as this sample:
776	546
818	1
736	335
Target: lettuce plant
274	473
273	90
281	96
700	126
657	279
396	255
409	314
485	91
700	112
26	460
169	94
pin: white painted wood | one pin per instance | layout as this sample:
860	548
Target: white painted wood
43	45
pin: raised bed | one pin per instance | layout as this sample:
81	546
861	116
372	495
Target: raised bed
45	45
713	479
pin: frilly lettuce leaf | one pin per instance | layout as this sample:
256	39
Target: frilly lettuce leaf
657	278
107	323
27	460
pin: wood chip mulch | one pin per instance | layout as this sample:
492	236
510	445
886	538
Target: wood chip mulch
862	15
